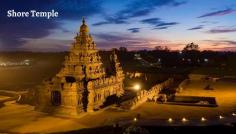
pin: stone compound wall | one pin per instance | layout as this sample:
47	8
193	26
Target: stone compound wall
145	95
182	85
196	76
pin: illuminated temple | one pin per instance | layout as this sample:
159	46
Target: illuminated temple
82	84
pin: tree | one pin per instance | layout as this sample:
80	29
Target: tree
161	48
166	48
123	49
191	53
191	47
158	48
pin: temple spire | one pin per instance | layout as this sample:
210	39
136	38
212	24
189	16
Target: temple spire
83	20
84	30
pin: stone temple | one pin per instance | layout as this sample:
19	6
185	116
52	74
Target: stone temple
82	84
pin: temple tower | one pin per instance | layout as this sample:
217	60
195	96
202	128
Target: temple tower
83	61
116	65
81	85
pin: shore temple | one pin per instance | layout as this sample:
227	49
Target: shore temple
82	84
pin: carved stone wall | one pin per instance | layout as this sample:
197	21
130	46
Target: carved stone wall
182	85
100	89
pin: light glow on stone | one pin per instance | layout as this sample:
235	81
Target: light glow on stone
184	119
135	119
203	119
137	87
221	117
234	114
170	120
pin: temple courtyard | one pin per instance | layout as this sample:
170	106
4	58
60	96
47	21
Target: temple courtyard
23	118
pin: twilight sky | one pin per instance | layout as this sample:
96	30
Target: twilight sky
135	24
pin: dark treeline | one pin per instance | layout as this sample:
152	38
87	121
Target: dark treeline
166	58
21	55
173	58
202	61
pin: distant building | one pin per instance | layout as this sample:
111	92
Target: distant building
137	57
82	84
15	63
146	63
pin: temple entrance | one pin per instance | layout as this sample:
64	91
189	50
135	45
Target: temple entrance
56	98
113	99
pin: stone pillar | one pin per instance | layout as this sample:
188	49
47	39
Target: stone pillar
90	106
91	95
69	100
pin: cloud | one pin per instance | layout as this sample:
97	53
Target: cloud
138	8
75	9
44	44
210	22
68	9
134	30
108	41
166	24
179	3
157	23
221	45
101	23
14	29
218	13
221	30
160	28
110	20
231	42
151	21
110	37
196	28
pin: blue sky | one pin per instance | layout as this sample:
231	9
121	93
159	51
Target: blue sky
135	24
